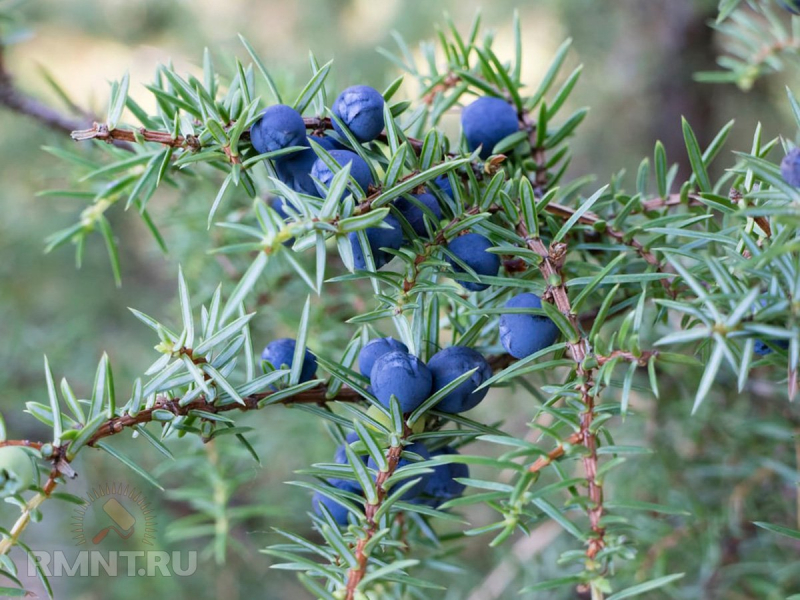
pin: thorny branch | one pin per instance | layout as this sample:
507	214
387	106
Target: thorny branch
316	395
103	133
356	574
113	426
551	269
120	423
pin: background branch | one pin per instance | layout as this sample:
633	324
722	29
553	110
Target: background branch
21	103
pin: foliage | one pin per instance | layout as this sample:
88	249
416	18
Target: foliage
647	284
757	41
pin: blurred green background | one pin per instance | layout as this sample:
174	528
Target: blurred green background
639	58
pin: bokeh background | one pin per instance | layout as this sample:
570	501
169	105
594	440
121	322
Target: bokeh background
639	59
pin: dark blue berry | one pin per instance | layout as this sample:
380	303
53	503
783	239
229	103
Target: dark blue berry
442	485
359	170
444	185
449	364
279	127
523	335
762	349
378	238
360	108
376	348
790	167
402	375
280	353
295	169
340	458
487	121
471	249
413	213
338	512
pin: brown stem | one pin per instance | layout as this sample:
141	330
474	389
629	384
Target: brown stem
356	574
670	201
317	395
100	131
555	453
590	218
450	81
25	443
551	269
640	360
115	425
589	439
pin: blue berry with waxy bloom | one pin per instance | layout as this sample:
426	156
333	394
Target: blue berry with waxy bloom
295	169
487	121
338	512
360	108
340	458
376	348
762	349
281	353
523	335
378	237
790	167
417	488
402	375
448	365
279	127
442	485
358	169
279	206
471	249
413	213
443	183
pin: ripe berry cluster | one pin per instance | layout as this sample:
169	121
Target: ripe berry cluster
433	489
392	371
360	108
